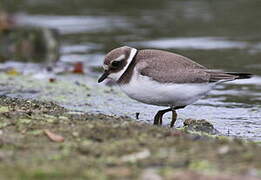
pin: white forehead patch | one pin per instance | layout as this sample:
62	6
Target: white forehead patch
121	57
105	67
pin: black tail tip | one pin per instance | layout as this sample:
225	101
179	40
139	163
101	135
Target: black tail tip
242	75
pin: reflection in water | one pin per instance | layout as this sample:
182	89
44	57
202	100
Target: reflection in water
219	34
29	44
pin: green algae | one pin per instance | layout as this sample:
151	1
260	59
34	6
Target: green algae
202	166
4	109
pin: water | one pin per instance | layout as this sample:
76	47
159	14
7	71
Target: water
218	34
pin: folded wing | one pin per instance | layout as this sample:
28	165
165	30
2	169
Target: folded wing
173	68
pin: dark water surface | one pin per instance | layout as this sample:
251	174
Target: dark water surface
218	34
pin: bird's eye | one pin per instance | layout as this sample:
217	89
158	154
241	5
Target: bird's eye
116	63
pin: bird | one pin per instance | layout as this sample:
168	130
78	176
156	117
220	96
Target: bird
162	78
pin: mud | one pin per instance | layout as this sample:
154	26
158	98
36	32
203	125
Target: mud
108	147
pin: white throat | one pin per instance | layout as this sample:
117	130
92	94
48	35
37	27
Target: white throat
116	76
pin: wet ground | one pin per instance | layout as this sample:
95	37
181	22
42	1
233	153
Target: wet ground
218	34
41	140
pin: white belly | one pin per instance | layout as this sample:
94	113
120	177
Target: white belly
143	89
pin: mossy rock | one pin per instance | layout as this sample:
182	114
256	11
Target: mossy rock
200	126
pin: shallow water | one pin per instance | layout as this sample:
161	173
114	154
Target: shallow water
218	34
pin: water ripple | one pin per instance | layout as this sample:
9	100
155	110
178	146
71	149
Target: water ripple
204	43
73	24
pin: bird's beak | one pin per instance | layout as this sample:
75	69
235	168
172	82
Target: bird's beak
103	76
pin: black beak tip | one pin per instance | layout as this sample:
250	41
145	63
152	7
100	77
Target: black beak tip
103	76
100	80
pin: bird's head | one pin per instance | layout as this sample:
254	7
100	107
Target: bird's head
116	62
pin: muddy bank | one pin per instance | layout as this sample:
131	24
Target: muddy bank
108	147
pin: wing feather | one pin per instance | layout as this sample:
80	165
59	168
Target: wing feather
166	67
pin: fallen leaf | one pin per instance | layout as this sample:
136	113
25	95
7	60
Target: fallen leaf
6	21
78	68
118	172
136	156
53	137
12	72
51	80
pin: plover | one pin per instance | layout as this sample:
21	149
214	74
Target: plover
162	78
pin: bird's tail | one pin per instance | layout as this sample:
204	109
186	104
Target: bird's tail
216	76
240	75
